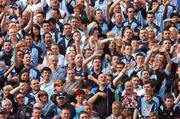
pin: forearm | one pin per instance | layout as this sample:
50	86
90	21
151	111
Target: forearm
93	98
119	77
12	92
8	71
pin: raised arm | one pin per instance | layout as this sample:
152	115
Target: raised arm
30	23
112	7
86	61
169	62
107	11
149	54
9	70
88	9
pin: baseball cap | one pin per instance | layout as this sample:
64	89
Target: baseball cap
61	95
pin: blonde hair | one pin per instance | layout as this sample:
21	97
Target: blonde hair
8	87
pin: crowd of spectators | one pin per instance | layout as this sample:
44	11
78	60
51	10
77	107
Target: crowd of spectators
89	59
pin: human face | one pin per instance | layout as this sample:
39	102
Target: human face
60	101
78	59
35	85
53	63
54	14
55	49
70	58
46	75
150	18
25	76
115	60
80	98
24	87
119	67
179	85
54	3
84	116
116	110
111	45
46	27
166	34
40	18
88	53
71	75
67	30
5	92
160	58
48	40
145	76
148	97
7	47
99	15
20	99
36	31
97	63
7	105
130	12
26	15
135	81
128	87
36	113
28	41
12	32
65	114
48	54
74	23
143	34
147	88
118	17
88	109
43	97
140	59
117	9
128	34
128	50
169	102
27	59
102	79
167	44
151	33
134	44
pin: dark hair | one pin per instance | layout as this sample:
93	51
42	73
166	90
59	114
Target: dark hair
38	27
42	92
46	34
175	87
150	12
28	35
46	69
52	20
23	71
83	112
168	96
149	82
45	22
66	24
42	13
